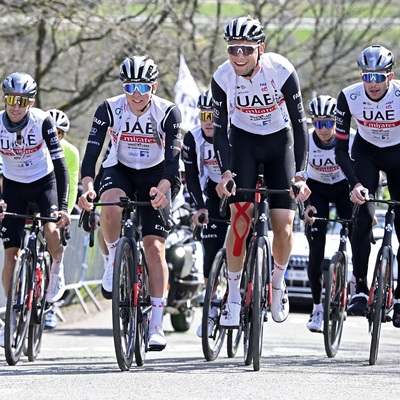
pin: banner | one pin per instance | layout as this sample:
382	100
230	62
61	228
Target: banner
186	96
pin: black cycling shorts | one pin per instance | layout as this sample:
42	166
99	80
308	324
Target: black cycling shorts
137	184
18	196
273	154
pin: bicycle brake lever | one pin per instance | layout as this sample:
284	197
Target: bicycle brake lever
224	199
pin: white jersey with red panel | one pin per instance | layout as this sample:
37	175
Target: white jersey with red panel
378	122
254	104
28	159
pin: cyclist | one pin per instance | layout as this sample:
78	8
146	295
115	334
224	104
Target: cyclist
328	186
34	171
143	161
374	104
72	159
202	175
257	96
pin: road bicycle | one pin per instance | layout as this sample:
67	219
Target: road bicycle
380	301
256	276
131	305
336	286
26	301
215	296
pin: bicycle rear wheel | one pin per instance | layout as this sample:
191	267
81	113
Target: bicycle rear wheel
124	312
18	310
36	325
335	303
378	305
215	297
141	344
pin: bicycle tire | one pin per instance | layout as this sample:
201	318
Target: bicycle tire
217	284
335	303
141	344
247	300
234	336
37	321
257	325
379	304
18	311
124	313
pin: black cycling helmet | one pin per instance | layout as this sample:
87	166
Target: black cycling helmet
322	106
60	119
205	100
376	58
138	69
245	28
20	83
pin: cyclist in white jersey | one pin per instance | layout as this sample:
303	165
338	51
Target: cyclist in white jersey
34	171
374	104
257	98
143	161
202	175
328	187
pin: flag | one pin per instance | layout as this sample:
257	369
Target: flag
186	96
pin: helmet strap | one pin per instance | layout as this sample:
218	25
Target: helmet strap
250	73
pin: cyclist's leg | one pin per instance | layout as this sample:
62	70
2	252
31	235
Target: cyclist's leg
245	166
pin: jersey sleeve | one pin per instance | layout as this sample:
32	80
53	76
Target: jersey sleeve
221	141
189	157
293	99
343	127
60	167
172	128
101	123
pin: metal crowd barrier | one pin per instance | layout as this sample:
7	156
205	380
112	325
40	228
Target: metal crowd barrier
83	267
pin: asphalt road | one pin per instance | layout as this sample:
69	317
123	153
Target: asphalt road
77	361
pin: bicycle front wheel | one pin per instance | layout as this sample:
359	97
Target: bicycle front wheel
258	312
143	310
335	303
215	297
379	304
18	310
124	311
36	325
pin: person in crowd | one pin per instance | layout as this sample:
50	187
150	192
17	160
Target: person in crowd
72	159
374	103
328	187
34	171
143	161
257	97
202	174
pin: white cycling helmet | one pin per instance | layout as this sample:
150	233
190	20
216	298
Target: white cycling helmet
205	100
376	58
60	120
138	69
245	28
322	107
20	83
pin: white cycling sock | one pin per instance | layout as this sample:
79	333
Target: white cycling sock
112	248
318	308
57	265
157	311
278	276
234	279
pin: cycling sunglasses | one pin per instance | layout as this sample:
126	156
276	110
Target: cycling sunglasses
205	115
142	88
13	100
246	50
379	78
320	124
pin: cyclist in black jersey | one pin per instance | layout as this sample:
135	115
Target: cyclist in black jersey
328	187
143	161
202	175
34	171
257	99
374	103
